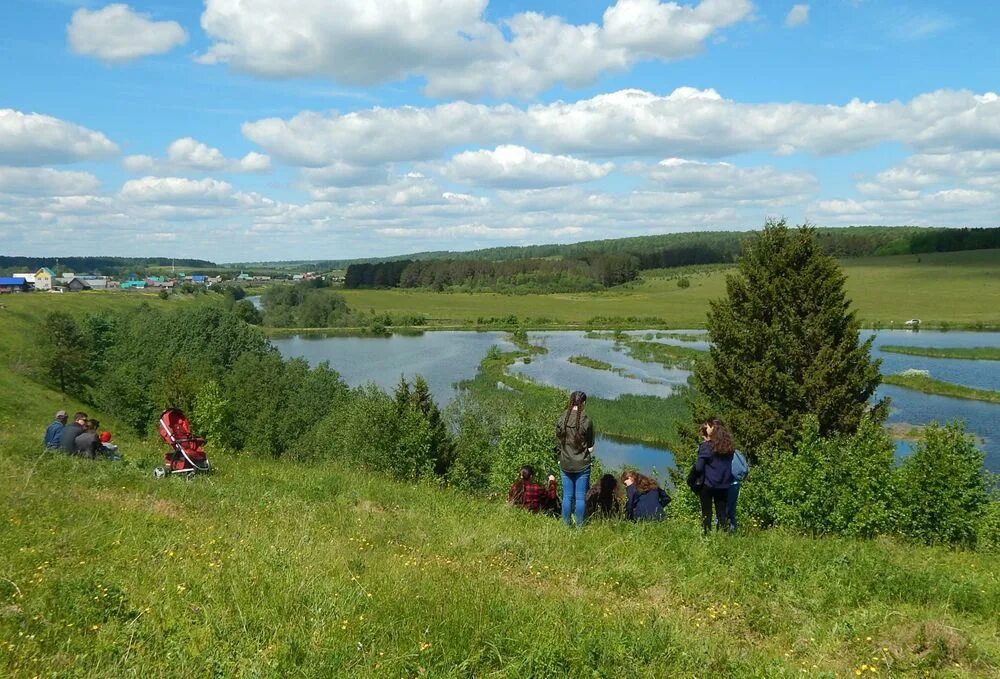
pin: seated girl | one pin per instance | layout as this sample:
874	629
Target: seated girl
645	500
530	495
605	499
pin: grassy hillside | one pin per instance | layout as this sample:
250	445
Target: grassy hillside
958	288
271	568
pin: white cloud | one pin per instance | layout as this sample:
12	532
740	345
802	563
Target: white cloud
190	154
117	34
797	16
36	139
511	167
730	182
448	43
46	181
174	190
685	123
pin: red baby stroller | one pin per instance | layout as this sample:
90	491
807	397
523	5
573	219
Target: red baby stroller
186	456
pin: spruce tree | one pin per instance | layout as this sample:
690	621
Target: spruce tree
785	344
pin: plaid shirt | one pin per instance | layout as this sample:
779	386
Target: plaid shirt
535	496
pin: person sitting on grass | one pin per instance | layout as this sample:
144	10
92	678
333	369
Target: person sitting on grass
53	433
645	500
88	443
67	443
605	499
109	449
530	495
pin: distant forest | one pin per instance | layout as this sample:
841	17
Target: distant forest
595	264
590	272
106	266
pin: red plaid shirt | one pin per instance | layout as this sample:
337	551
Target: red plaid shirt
534	497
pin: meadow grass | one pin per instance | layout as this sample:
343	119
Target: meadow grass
929	385
958	289
596	364
965	353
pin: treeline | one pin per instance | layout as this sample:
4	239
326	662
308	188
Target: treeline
310	304
98	265
594	264
591	272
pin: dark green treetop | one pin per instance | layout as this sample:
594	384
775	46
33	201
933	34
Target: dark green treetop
785	344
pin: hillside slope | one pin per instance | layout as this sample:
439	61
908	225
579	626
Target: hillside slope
270	568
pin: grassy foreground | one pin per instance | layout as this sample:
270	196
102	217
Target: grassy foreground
966	353
959	289
929	385
272	569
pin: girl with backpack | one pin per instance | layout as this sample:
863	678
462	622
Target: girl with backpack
575	447
646	500
714	464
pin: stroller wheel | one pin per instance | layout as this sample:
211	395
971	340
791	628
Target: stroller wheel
159	473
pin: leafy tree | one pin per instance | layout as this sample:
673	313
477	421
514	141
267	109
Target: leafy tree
943	494
785	344
64	352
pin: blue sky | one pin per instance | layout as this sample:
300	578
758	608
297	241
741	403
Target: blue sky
288	129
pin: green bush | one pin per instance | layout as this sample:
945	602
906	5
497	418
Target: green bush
988	536
840	484
942	488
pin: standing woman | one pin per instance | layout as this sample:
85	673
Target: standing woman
575	445
715	459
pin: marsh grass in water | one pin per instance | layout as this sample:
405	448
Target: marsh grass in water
966	353
929	385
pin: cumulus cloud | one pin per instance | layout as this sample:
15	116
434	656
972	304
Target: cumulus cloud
731	182
174	190
512	166
450	45
46	181
190	154
685	123
797	16
117	34
36	139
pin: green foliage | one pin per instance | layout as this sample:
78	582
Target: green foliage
524	439
684	282
943	488
988	534
210	415
247	312
64	352
842	484
785	344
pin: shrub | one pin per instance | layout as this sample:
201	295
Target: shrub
683	283
943	488
841	484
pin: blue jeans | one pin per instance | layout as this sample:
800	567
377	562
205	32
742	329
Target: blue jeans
574	499
731	498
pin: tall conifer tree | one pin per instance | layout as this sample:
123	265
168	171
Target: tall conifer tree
785	344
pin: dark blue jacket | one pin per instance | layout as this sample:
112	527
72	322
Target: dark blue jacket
717	468
646	506
53	434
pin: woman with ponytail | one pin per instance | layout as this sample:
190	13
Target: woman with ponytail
575	445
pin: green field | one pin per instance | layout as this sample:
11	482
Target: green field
956	288
271	568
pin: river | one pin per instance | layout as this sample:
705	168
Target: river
446	357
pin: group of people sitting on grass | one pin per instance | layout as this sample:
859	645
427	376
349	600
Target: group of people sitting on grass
80	437
715	478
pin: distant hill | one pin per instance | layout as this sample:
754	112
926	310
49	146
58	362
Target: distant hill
698	247
98	265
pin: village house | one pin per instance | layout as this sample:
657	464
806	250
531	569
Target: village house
44	278
13	284
29	278
77	285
